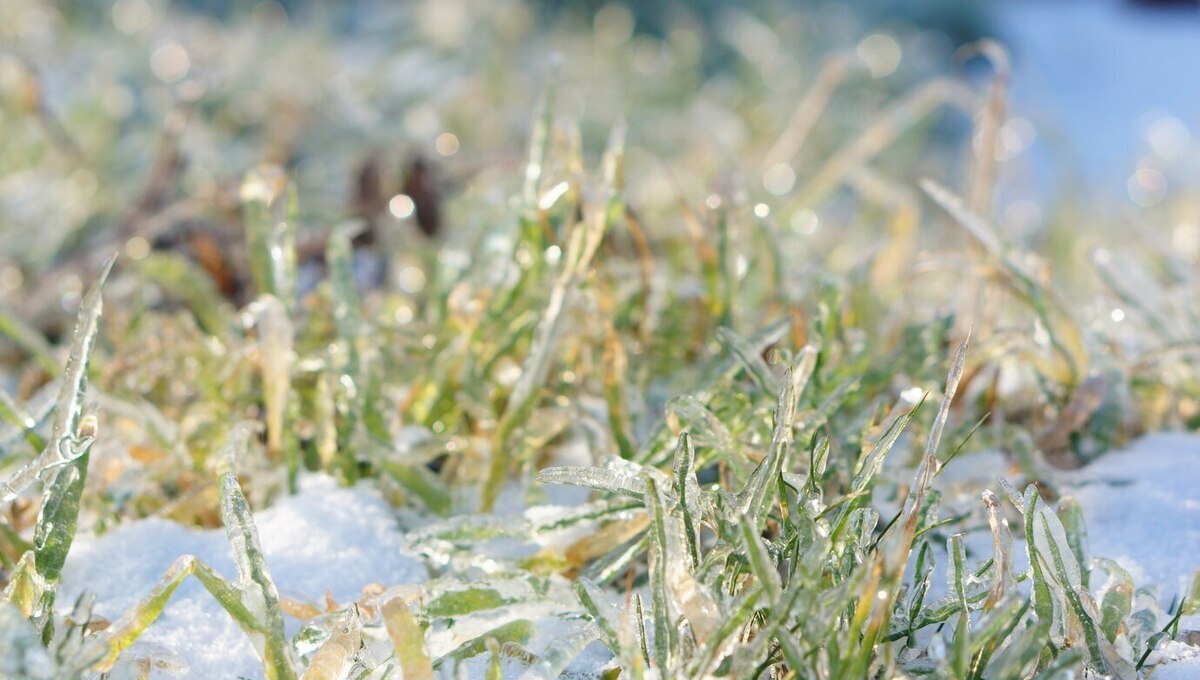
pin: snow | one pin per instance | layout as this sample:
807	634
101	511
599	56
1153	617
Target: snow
325	537
1142	509
1140	506
1178	662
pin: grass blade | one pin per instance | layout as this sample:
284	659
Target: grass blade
408	640
257	590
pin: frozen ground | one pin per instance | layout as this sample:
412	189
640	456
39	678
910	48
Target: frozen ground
1141	505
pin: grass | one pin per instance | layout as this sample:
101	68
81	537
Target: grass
757	399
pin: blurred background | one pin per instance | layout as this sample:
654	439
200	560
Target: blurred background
135	121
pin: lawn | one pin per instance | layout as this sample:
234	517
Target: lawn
506	339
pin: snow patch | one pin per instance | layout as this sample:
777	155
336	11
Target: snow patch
325	537
1141	506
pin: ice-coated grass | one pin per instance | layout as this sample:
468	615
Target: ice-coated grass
757	387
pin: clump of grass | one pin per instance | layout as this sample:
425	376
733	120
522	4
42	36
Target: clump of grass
758	418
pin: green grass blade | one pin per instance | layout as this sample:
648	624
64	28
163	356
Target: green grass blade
760	561
664	631
65	459
687	490
754	499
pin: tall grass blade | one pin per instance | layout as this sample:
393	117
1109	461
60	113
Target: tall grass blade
257	590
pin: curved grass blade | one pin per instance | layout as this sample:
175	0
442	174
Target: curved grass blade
254	584
65	458
754	500
126	630
605	615
69	405
618	482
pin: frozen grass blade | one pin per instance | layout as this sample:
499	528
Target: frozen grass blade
1002	551
275	333
25	586
408	640
1071	517
1064	334
604	614
343	290
760	562
64	461
687	490
67	443
619	482
664	630
740	349
126	630
257	590
336	657
268	203
883	585
754	499
1117	603
1073	610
